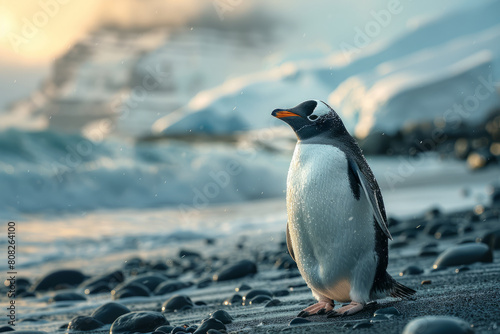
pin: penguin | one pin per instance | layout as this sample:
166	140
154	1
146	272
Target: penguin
337	226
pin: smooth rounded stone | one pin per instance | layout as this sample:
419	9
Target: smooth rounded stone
109	312
159	266
171	286
134	263
492	239
388	311
243	287
191	329
151	281
130	289
411	270
464	254
200	303
109	279
6	329
235	299
237	270
428	250
255	292
176	303
67	296
165	328
461	269
437	325
281	293
84	323
299	321
204	283
142	322
273	303
208	324
446	232
426	282
177	329
222	316
183	253
99	288
363	324
259	299
59	278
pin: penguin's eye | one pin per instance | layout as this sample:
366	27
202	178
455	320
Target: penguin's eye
312	117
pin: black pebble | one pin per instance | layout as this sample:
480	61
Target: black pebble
492	239
67	296
98	288
208	324
109	312
109	279
84	323
411	270
235	299
132	289
237	270
61	278
435	325
178	329
165	328
259	299
363	324
191	329
6	329
464	254
391	311
178	302
298	321
243	287
285	261
222	316
183	253
273	302
255	292
281	293
142	322
171	286
151	281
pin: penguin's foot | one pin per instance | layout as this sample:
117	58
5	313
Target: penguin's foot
323	306
350	309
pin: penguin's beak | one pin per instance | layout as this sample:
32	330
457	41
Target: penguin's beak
279	113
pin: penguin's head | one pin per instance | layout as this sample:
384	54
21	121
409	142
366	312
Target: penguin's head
311	118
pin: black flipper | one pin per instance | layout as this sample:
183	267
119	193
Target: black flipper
371	195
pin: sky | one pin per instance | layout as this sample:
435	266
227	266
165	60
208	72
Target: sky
33	33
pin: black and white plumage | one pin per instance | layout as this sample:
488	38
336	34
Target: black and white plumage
336	230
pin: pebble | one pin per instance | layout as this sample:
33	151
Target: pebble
411	270
151	281
165	328
285	261
362	324
84	323
183	253
178	329
6	329
492	239
426	282
255	292
208	324
132	289
109	279
388	311
235	299
299	321
67	296
281	293
141	322
59	278
461	269
171	286
222	316
98	288
177	303
273	303
259	299
243	287
437	325
109	312
464	254
239	269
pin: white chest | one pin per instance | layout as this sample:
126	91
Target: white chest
330	230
